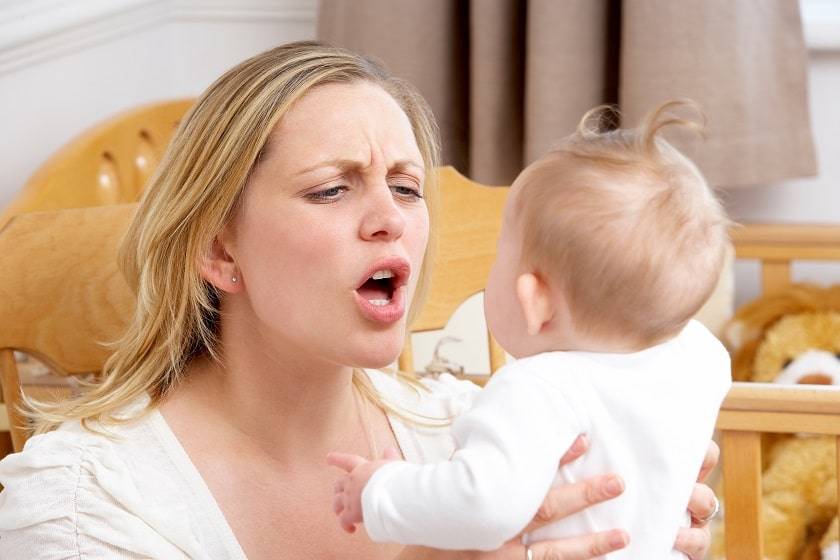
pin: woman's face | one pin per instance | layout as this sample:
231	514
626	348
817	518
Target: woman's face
333	228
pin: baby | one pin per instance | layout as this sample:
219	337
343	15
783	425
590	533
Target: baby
609	245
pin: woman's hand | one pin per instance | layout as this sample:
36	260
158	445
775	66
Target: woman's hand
694	542
562	501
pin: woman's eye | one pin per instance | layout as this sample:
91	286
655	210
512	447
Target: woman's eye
408	193
326	195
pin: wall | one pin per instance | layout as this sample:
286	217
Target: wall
66	65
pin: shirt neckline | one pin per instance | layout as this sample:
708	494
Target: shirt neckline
197	485
202	492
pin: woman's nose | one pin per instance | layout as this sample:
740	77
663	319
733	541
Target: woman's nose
383	219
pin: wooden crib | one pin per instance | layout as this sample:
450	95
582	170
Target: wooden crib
752	409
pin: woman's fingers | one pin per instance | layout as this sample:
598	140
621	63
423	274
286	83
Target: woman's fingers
693	542
580	548
566	499
701	505
709	461
578	448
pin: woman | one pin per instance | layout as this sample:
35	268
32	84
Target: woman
274	256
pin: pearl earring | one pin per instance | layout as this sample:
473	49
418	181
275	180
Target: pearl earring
233	279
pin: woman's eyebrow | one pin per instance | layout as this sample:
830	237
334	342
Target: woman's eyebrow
407	165
348	164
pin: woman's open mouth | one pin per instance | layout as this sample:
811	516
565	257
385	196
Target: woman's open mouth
381	295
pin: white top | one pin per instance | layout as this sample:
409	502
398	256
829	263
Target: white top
75	494
649	416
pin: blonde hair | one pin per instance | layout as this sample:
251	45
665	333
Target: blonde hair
190	199
627	225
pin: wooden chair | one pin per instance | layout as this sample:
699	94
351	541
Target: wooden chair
468	226
108	164
752	409
61	295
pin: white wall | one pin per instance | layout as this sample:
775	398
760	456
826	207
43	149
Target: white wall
66	65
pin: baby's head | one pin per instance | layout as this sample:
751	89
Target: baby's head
610	242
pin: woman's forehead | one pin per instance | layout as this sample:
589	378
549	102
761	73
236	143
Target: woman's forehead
347	122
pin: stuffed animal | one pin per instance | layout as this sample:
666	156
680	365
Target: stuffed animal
793	337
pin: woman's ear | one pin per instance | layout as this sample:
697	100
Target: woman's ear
218	267
535	299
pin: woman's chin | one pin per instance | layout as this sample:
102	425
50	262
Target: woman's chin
379	357
380	360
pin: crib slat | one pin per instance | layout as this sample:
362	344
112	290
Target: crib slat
743	531
837	453
775	276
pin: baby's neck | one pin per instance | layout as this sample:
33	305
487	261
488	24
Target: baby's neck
574	342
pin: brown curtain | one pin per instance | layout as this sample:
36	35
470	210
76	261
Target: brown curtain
507	78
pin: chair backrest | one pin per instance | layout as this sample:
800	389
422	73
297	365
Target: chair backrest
468	229
61	295
108	164
752	409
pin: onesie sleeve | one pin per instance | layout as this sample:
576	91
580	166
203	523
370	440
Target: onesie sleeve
67	498
509	445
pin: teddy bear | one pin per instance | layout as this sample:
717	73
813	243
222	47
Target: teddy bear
792	337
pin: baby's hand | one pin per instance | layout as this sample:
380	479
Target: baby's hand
347	502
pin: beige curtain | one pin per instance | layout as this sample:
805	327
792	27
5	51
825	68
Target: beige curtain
507	78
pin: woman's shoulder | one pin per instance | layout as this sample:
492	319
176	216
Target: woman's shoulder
111	492
74	449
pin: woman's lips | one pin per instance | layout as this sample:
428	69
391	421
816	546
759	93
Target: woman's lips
375	304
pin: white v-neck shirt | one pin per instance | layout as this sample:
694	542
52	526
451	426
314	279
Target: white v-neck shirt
76	494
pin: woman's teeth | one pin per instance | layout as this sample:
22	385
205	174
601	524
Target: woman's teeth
379	302
382	274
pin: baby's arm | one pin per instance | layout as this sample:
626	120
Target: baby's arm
510	444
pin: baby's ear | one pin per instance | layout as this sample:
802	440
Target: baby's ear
536	300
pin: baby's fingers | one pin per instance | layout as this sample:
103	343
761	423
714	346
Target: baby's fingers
391	454
345	461
338	504
346	524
